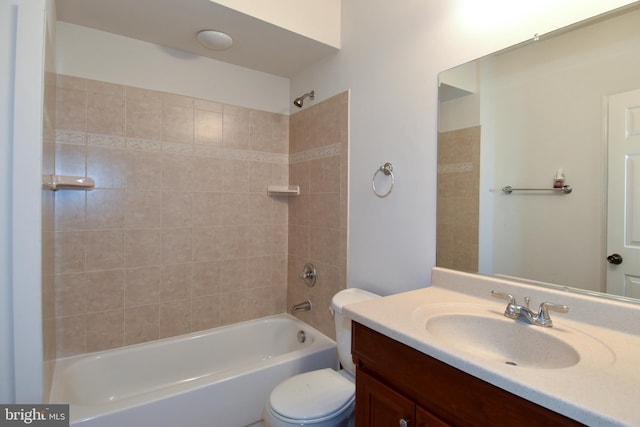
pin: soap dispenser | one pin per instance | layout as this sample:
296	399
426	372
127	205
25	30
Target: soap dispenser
558	179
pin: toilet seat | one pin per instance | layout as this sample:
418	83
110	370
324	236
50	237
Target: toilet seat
313	397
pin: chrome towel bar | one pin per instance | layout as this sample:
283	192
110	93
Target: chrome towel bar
565	189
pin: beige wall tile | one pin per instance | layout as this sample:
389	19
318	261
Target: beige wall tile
167	237
177	123
259	174
318	218
234	275
142	324
143	247
259	271
236	128
324	210
175	318
69	252
177	245
279	235
235	176
260	209
299	243
70	294
105	290
208	243
176	282
71	159
207	174
143	114
206	279
235	208
234	242
177	208
105	330
105	250
70	210
105	108
177	172
207	209
142	286
208	128
107	167
144	170
71	335
458	204
324	175
259	243
233	307
105	208
205	312
143	209
71	109
324	245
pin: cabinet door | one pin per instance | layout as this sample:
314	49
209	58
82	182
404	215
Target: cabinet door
380	406
426	419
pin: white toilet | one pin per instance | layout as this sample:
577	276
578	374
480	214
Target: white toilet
322	398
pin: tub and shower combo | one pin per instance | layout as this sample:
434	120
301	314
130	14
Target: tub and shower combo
217	378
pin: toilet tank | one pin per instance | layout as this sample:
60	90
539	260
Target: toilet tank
343	324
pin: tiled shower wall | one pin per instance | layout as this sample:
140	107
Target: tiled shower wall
48	219
318	218
179	234
458	199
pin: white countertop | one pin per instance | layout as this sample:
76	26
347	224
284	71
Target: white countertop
602	390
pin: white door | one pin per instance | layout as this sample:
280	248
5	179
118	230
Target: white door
623	217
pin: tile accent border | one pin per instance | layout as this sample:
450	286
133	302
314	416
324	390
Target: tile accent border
456	168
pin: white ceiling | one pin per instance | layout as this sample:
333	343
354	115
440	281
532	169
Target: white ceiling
174	23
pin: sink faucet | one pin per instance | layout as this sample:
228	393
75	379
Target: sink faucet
523	312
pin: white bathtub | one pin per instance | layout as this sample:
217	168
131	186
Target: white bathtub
217	378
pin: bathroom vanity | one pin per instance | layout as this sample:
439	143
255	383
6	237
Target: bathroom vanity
394	382
446	355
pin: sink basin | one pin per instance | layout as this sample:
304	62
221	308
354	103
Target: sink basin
482	333
513	343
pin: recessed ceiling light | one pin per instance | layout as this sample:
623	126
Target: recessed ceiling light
214	40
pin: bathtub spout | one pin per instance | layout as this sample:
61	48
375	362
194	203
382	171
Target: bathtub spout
303	306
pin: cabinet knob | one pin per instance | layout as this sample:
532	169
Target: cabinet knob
404	423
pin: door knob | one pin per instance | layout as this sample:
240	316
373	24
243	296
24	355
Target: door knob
614	259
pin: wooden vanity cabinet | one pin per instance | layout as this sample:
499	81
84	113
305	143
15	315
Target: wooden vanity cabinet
395	382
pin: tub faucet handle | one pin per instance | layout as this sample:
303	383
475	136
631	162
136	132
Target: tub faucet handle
309	275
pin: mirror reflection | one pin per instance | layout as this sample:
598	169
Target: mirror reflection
563	109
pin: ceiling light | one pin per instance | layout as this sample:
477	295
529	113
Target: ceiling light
214	40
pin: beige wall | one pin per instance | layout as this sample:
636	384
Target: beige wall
179	234
318	218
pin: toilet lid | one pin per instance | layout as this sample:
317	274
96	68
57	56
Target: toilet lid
312	395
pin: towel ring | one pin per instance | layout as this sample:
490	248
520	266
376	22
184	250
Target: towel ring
386	169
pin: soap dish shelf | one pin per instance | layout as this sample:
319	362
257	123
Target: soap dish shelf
283	190
62	182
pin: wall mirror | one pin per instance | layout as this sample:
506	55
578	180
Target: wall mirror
561	106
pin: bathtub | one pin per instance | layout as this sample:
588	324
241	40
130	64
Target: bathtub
221	377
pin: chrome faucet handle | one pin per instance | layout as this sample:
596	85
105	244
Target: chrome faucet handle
510	310
543	318
502	295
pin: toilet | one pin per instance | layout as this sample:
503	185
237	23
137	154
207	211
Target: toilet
325	397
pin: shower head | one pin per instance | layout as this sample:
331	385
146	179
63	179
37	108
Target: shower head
299	100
